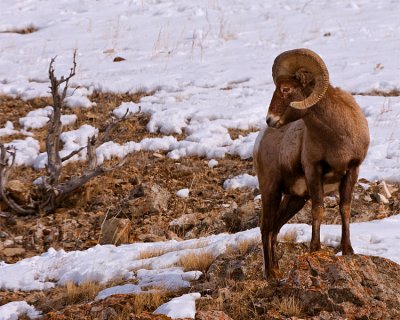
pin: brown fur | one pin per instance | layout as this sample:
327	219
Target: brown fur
305	154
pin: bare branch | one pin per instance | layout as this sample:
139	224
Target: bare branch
72	154
110	128
53	138
91	153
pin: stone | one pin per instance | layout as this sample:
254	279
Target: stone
185	222
151	316
13	252
149	237
158	198
385	190
8	243
355	287
18	190
212	315
115	231
108	313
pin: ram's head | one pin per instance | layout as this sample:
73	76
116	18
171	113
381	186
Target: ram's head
301	79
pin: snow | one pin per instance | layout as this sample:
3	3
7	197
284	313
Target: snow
124	289
183	193
77	98
26	151
212	163
208	65
126	108
180	307
13	310
241	181
8	130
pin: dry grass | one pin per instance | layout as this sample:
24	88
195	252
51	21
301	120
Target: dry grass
153	252
199	260
26	30
242	300
391	93
85	292
62	296
288	236
289	306
148	301
242	248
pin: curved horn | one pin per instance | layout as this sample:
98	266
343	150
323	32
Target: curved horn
289	62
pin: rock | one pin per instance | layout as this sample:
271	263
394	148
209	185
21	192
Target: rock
115	231
147	199
158	198
212	315
240	218
18	190
149	237
385	190
8	243
119	59
4	234
108	313
226	268
136	192
185	222
19	239
231	218
383	199
13	252
151	316
355	287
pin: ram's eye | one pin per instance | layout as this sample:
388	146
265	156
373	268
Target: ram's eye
285	89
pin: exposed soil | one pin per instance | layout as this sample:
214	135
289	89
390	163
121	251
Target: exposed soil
144	191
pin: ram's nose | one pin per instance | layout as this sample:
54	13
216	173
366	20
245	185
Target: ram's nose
272	121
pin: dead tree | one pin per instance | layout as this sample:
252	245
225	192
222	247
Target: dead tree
52	190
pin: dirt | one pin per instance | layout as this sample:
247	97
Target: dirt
144	192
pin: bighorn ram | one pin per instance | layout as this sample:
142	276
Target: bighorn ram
315	143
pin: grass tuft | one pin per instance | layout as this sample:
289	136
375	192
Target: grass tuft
288	236
199	260
85	292
290	306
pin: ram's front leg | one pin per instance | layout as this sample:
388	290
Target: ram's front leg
271	197
346	190
316	191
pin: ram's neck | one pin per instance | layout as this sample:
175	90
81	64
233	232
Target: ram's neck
334	119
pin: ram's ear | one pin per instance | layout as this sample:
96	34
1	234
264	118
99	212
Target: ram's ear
305	77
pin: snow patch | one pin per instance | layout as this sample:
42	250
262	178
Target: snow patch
183	193
180	307
241	181
13	310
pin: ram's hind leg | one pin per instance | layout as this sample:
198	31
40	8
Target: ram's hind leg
346	191
290	205
271	198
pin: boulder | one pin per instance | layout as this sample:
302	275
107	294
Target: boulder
115	231
354	287
13	252
18	190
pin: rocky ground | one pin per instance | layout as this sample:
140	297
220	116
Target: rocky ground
138	203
